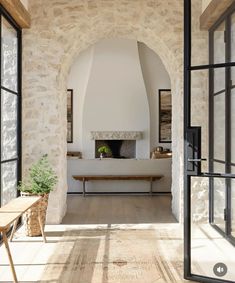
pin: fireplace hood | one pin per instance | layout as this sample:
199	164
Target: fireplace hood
116	135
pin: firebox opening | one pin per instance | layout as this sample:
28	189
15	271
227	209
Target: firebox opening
118	148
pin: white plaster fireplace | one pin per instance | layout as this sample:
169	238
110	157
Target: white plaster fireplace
115	104
122	144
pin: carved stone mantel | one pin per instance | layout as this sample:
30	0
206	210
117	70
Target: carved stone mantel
116	135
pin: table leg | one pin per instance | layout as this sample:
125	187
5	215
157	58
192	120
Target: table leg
41	226
13	229
4	236
84	187
151	186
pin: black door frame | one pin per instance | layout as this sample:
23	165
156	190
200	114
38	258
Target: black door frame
226	18
188	68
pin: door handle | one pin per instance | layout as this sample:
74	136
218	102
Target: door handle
196	159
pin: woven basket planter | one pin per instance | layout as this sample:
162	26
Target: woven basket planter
30	217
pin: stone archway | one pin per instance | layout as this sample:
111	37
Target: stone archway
59	32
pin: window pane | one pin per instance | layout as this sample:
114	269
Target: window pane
199	35
219	202
232	51
218	167
219	126
219	188
209	247
9	181
8	125
233	125
9	56
233	38
219	44
199	109
219	79
233	202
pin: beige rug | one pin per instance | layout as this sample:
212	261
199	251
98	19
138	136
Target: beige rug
117	256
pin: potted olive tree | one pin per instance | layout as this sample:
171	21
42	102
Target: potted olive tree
41	182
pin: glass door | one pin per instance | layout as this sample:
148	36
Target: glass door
217	125
209	134
10	118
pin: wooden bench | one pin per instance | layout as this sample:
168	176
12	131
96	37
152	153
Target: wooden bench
10	214
85	178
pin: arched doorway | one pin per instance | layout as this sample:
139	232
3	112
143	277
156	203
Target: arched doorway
45	81
116	85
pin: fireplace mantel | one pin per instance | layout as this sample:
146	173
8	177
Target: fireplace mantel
116	135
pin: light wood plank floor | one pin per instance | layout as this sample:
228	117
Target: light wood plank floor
110	239
118	210
95	217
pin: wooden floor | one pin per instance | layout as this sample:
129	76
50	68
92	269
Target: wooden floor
118	210
115	239
111	221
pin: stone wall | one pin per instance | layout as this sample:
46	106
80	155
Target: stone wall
60	31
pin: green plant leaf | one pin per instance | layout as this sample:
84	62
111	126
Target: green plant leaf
42	178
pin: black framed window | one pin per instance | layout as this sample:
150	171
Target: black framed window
10	117
221	123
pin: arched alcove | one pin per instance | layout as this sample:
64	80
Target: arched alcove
52	44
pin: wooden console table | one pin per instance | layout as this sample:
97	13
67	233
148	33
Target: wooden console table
9	214
85	178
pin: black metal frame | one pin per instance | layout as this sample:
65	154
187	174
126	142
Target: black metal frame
71	93
18	159
226	18
187	126
159	116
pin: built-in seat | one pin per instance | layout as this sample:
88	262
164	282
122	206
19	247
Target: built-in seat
85	178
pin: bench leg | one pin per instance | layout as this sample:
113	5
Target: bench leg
13	229
151	186
4	236
84	186
41	226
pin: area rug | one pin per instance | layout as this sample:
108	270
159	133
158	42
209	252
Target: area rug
117	256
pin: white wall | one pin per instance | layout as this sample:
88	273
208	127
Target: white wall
116	85
116	98
90	78
155	77
78	80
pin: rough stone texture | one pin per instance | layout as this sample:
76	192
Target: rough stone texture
199	113
60	31
8	125
9	112
9	181
9	100
9	56
116	135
